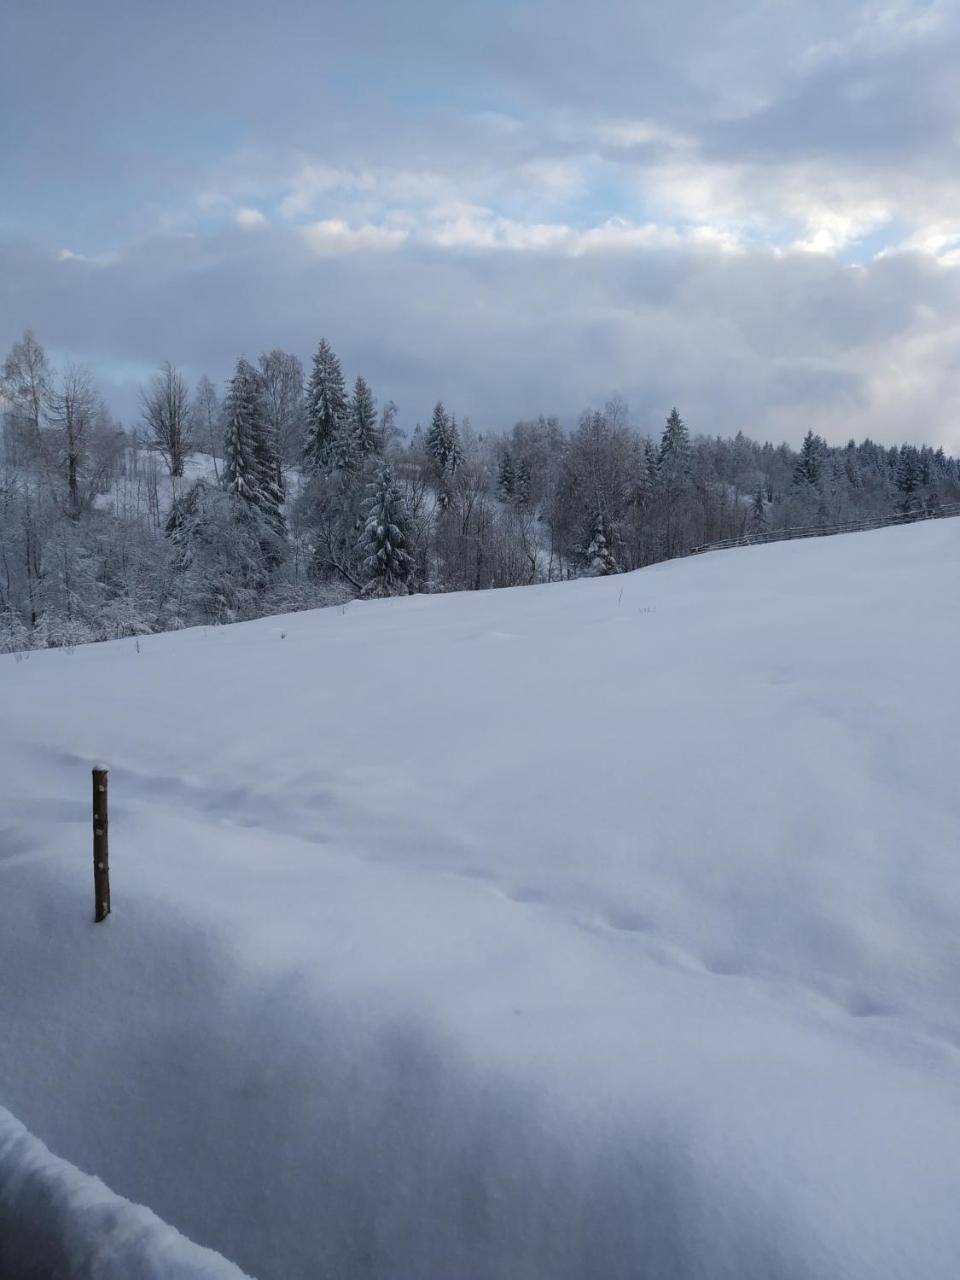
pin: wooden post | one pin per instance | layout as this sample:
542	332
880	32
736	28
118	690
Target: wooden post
101	859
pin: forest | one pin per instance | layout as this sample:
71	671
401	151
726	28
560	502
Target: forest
294	489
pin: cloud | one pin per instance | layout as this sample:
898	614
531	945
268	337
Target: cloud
768	343
334	235
749	208
480	229
249	218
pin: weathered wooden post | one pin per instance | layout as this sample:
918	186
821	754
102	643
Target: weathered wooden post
101	857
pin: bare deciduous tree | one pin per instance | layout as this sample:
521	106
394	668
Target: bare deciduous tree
282	375
25	385
73	410
166	415
206	427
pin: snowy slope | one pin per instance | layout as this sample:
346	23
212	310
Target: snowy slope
606	929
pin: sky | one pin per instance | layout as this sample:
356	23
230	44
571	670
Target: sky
749	209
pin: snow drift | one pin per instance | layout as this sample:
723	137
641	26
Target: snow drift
56	1222
606	929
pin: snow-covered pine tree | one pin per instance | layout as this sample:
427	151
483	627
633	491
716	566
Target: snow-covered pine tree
437	437
454	446
386	536
443	449
851	467
908	470
674	459
222	554
326	411
242	411
365	431
506	478
758	511
810	462
266	451
443	441
183	512
250	460
599	557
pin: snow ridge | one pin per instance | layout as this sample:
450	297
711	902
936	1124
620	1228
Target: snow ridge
58	1222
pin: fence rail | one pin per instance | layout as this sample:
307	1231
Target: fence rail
821	531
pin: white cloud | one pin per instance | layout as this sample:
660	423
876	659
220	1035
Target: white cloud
106	259
475	228
249	218
617	235
334	236
312	182
471	227
829	230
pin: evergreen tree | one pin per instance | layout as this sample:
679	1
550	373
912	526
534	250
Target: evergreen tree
242	411
443	441
437	436
326	411
810	462
443	448
851	467
506	478
598	555
758	513
908	470
673	463
386	536
454	447
250	460
269	499
223	554
365	432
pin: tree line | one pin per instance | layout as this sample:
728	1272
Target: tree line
292	490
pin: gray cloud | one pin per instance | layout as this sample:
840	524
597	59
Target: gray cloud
757	342
564	201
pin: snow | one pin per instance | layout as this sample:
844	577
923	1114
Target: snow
598	929
58	1222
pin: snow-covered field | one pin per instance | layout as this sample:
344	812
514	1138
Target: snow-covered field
598	930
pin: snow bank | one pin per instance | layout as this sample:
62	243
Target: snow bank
597	930
57	1223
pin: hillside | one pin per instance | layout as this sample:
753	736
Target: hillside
600	929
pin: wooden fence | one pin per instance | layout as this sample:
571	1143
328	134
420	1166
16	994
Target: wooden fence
825	530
